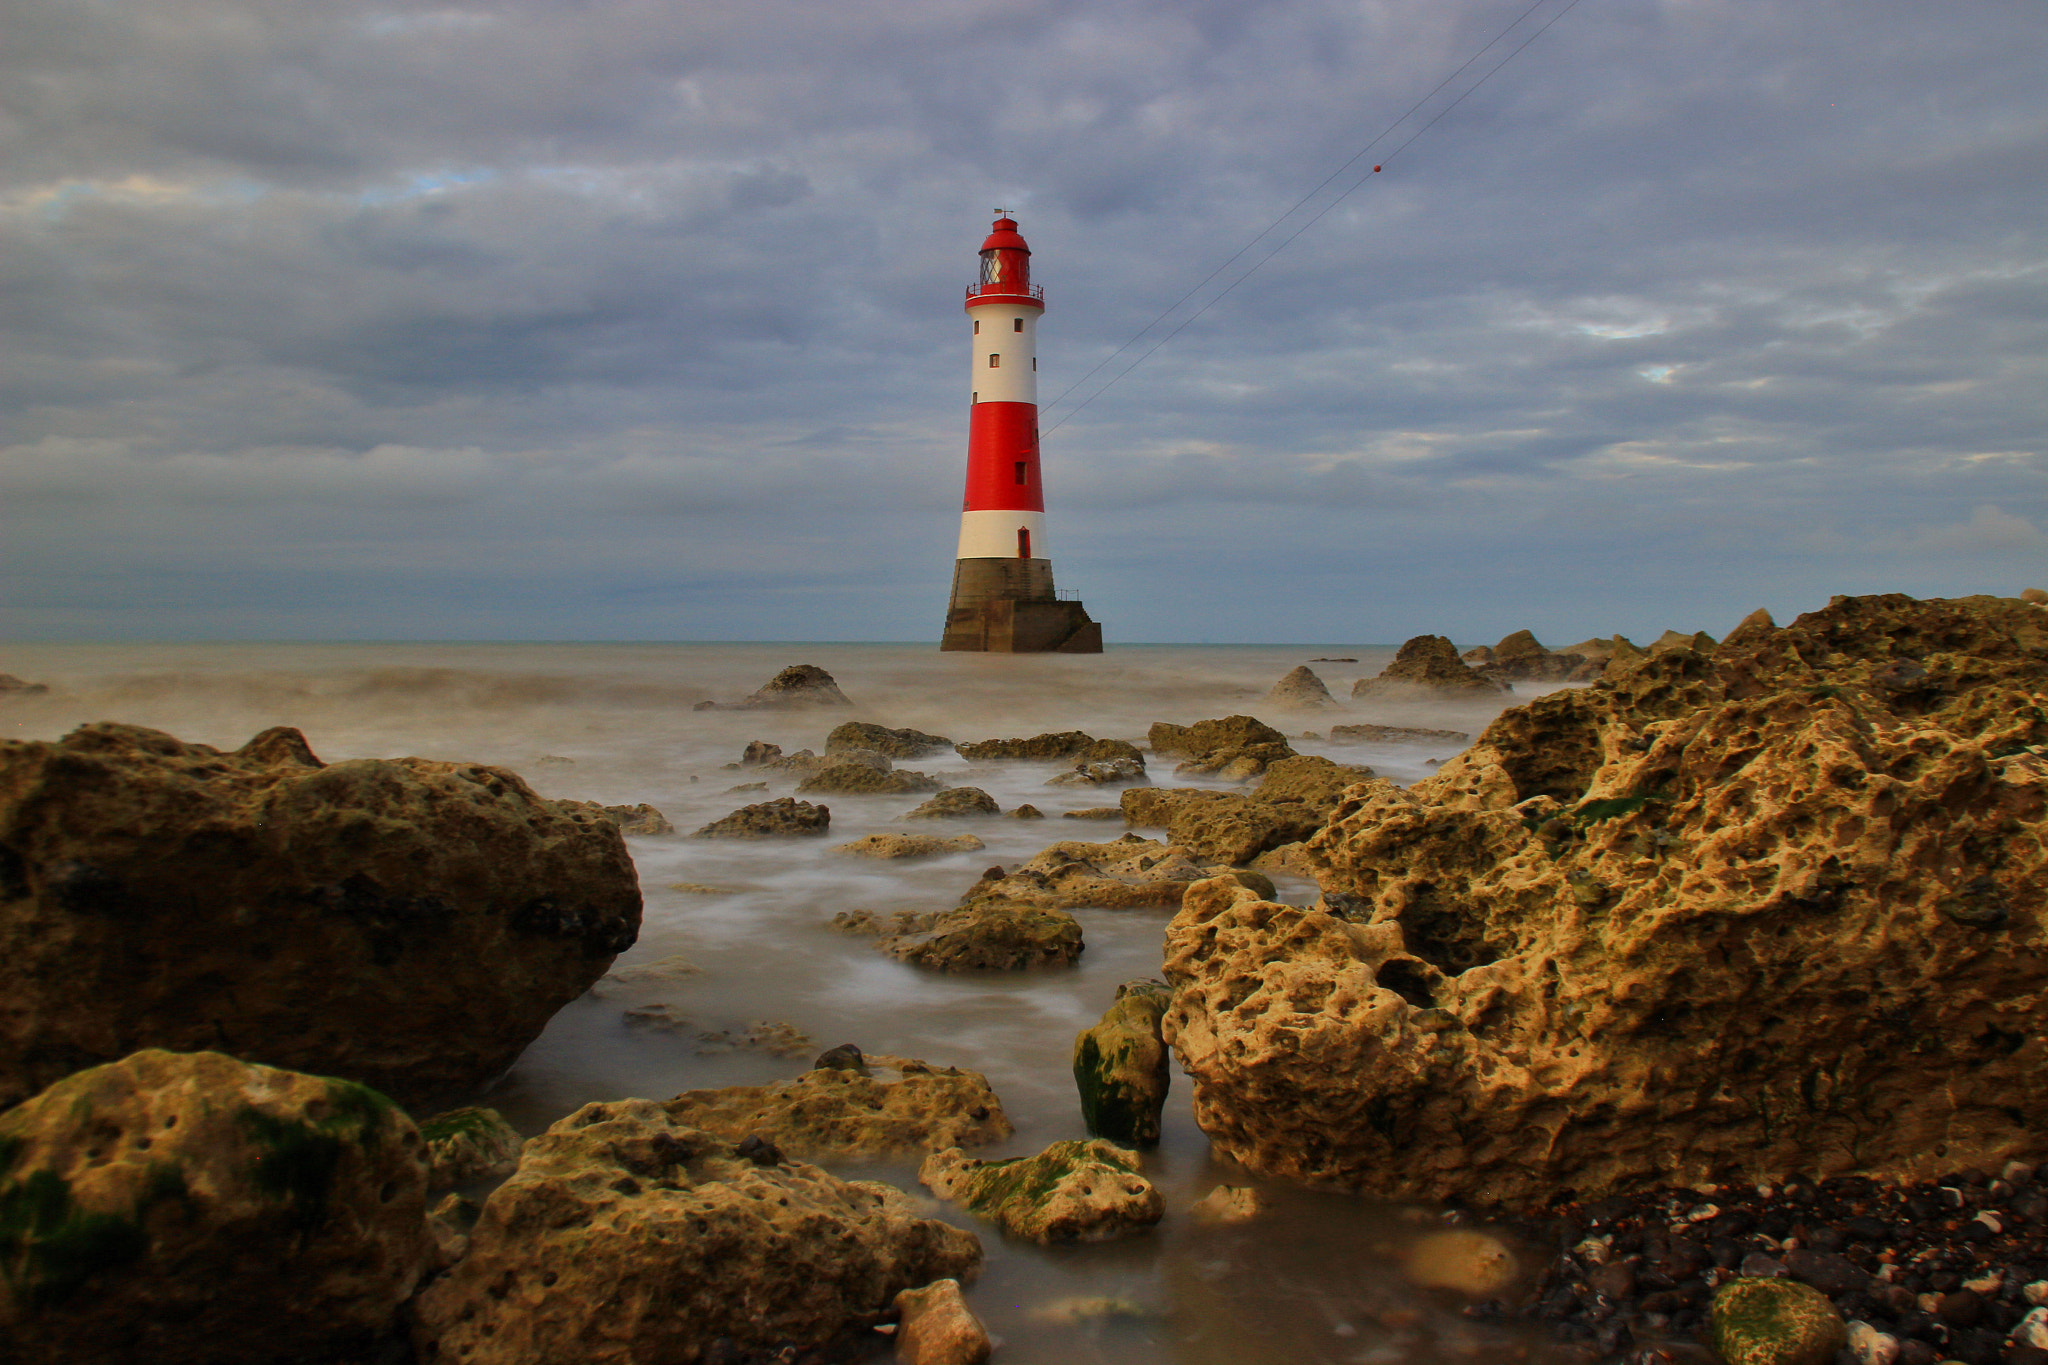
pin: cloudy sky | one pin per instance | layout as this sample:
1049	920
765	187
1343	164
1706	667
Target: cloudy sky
640	319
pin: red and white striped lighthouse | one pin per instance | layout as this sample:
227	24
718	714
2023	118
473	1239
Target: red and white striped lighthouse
1003	596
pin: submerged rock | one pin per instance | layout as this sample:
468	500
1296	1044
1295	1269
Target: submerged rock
860	734
1071	1192
189	1208
1399	734
910	845
1462	1259
956	803
1121	1067
1687	922
1104	772
1228	1204
882	1106
784	817
407	923
1426	666
468	1144
625	1227
1301	690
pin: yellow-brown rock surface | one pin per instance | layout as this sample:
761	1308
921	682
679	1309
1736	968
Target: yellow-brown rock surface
625	1236
189	1208
1774	906
406	923
888	1106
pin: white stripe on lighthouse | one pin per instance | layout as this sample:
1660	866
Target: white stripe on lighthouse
993	535
1012	379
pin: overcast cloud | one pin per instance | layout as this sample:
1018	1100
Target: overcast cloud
623	319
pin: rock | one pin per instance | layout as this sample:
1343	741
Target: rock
1290	803
468	1144
1635	928
11	686
642	819
189	1208
795	688
1774	1322
626	1228
2037	596
758	752
1070	1192
1065	744
1071	874
1520	658
1102	773
910	845
1121	1068
1236	748
1024	812
1393	734
1461	1259
700	889
880	1107
856	774
1228	1204
956	803
986	939
1093	813
1832	1273
784	817
1301	690
935	1327
1870	1346
1425	666
746	787
859	734
405	923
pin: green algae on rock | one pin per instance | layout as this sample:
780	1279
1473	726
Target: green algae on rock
1755	1321
471	1143
1074	1191
1121	1066
186	1208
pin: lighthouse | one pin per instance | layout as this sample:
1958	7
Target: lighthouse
1003	595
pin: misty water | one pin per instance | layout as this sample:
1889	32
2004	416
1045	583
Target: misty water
1317	1279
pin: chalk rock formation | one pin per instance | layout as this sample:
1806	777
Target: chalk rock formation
1233	749
1121	1067
1301	690
1063	744
877	1107
405	923
910	845
1124	874
1426	666
1725	914
1071	1192
1291	802
188	1208
467	1144
860	734
795	688
784	817
626	1232
956	803
978	938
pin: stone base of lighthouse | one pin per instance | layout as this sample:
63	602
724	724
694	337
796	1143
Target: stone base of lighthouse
1008	606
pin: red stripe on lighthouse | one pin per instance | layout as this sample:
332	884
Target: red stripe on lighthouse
1002	442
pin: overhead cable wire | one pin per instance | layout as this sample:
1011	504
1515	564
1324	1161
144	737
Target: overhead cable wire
1314	218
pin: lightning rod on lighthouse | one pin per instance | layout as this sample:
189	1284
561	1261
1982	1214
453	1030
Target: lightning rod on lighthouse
1003	595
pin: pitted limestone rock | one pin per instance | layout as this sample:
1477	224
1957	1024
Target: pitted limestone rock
1071	1192
884	1107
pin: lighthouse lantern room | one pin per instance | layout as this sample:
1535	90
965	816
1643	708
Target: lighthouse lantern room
1003	595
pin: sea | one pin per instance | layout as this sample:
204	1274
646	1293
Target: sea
1317	1279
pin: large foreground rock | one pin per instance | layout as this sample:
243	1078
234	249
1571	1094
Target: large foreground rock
405	923
188	1209
876	1107
626	1236
1726	914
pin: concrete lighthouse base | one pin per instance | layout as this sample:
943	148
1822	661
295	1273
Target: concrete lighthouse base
1008	606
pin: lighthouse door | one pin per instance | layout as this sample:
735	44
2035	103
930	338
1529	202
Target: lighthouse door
1023	542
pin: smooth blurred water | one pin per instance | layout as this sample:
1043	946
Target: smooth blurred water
1315	1280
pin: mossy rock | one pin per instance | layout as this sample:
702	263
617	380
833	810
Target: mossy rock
1075	1191
1755	1321
472	1143
1121	1067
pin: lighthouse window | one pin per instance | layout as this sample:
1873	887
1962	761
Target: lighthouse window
995	362
977	326
1021	466
1016	324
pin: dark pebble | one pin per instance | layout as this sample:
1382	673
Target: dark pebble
1615	1279
1977	1347
1961	1309
1829	1272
